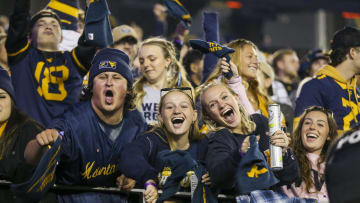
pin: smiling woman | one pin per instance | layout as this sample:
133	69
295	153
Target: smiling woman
177	129
229	142
311	139
245	65
16	130
160	69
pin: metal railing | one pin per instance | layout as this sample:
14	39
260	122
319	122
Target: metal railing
137	192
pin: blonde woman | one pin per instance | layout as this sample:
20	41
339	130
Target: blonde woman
177	129
160	69
223	114
245	65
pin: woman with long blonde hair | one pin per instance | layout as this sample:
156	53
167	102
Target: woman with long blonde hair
223	113
160	69
176	130
245	65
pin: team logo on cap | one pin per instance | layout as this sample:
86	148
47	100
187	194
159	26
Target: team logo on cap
125	30
107	64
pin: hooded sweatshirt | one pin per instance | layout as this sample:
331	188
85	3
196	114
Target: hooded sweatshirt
331	91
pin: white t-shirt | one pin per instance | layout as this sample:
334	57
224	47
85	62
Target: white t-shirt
150	105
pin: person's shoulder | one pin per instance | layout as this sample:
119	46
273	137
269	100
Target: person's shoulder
220	134
135	116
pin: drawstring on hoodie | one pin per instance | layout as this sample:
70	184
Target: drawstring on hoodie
357	103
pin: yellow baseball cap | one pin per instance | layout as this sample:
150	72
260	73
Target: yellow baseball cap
123	31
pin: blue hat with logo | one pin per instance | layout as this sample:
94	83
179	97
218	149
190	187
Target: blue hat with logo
111	60
5	83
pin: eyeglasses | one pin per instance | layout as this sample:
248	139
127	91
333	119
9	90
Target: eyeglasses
186	90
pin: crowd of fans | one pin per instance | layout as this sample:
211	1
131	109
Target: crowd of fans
157	114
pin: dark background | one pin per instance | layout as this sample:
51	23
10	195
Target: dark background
271	24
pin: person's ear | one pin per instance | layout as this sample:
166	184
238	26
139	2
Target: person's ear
195	115
352	53
193	68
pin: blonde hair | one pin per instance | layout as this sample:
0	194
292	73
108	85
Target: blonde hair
173	69
194	132
254	86
247	125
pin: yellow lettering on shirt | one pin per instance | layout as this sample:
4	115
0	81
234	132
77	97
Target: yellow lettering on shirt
89	173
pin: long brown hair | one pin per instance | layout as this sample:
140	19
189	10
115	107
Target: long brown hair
299	150
194	132
16	121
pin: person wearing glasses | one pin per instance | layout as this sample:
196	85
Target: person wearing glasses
160	69
229	141
311	139
177	129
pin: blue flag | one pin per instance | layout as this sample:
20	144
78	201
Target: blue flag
253	172
43	178
97	25
214	48
177	10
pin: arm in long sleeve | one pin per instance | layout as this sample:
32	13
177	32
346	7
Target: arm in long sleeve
290	172
134	161
222	160
211	30
17	42
236	85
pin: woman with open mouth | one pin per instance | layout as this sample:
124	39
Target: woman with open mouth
177	129
229	141
311	139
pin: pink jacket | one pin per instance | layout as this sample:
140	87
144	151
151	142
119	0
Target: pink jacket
301	190
236	85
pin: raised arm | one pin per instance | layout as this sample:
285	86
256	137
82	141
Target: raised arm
17	43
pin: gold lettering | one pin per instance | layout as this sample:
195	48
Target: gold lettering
100	171
255	172
47	180
86	173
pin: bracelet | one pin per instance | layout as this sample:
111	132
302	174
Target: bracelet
149	183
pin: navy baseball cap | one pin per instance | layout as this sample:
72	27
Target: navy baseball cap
342	168
5	83
309	58
345	38
44	13
111	60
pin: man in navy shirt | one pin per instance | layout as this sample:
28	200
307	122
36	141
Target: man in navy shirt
94	132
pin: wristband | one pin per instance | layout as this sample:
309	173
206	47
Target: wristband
149	183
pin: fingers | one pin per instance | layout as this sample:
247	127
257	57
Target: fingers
206	179
47	137
224	65
128	184
245	145
150	194
280	139
120	181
